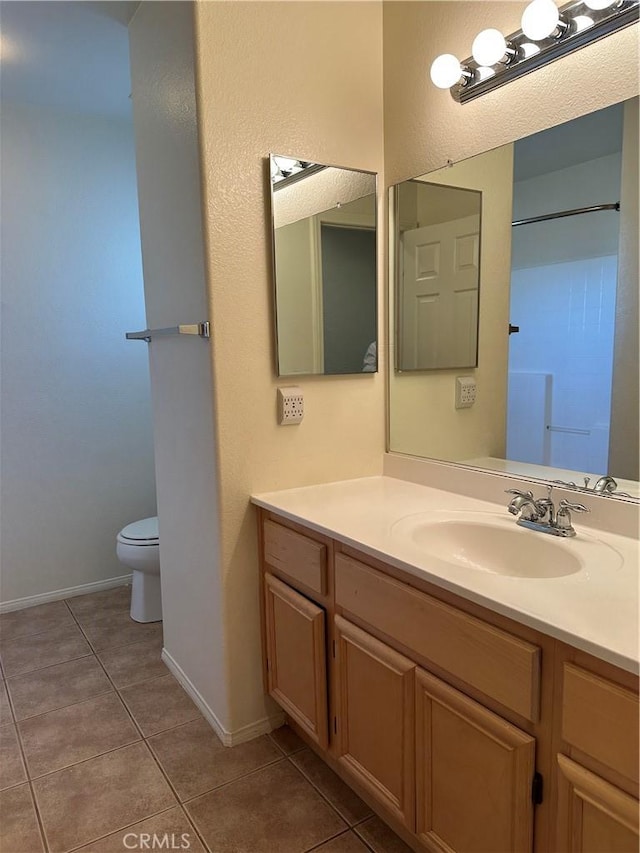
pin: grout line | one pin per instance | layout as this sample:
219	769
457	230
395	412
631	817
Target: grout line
233	781
327	840
36	808
322	794
195	829
364	840
120	829
87	654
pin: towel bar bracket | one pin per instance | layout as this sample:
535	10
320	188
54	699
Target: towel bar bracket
202	330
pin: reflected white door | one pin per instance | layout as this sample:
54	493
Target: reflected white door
439	295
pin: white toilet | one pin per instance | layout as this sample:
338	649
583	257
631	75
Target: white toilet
138	548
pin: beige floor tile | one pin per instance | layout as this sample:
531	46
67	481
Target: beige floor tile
112	629
57	686
100	796
348	842
64	737
12	770
5	709
108	601
27	654
134	663
287	740
380	838
341	797
172	828
19	830
159	705
34	620
272	809
195	760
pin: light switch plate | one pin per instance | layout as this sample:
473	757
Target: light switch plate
465	391
290	405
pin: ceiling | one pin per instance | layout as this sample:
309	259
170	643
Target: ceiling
67	55
586	138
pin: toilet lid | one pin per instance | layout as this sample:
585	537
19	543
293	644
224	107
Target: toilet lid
145	529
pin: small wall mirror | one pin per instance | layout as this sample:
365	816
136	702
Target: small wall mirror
324	250
438	274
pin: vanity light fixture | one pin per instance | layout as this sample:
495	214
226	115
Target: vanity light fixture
548	33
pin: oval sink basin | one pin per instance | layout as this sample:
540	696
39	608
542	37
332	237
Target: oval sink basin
496	548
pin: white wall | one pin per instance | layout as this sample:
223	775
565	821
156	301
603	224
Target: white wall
162	74
77	451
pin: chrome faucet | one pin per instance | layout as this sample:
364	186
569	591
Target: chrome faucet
540	513
604	485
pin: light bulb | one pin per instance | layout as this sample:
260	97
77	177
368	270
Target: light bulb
582	22
597	5
483	72
489	47
540	19
528	49
445	71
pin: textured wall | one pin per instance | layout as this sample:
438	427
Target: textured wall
164	109
77	446
301	79
424	127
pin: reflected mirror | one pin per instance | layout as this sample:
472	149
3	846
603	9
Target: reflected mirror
438	228
324	250
556	378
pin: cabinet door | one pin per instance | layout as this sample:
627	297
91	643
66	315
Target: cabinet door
473	776
593	815
296	657
375	722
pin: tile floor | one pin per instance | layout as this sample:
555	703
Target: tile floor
101	750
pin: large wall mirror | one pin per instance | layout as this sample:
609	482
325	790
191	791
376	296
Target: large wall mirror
556	296
324	249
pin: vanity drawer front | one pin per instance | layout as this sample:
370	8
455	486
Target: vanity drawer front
600	719
300	558
501	666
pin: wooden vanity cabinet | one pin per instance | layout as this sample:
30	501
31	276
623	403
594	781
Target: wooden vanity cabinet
448	719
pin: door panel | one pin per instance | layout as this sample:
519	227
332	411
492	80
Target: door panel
593	815
440	278
474	774
296	657
376	718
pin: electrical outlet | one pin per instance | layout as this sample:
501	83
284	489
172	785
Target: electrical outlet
290	405
465	391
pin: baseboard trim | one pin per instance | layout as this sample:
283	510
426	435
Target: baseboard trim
59	594
241	735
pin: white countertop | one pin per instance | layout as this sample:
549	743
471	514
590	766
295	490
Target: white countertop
595	609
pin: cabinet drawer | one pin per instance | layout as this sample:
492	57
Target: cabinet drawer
300	558
600	719
502	667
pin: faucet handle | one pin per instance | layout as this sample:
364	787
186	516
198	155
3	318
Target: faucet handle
518	493
566	506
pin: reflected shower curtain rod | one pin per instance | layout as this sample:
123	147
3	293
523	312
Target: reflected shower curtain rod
562	213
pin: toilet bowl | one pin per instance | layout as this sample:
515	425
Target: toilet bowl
138	548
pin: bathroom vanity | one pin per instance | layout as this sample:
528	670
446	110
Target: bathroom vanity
475	707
